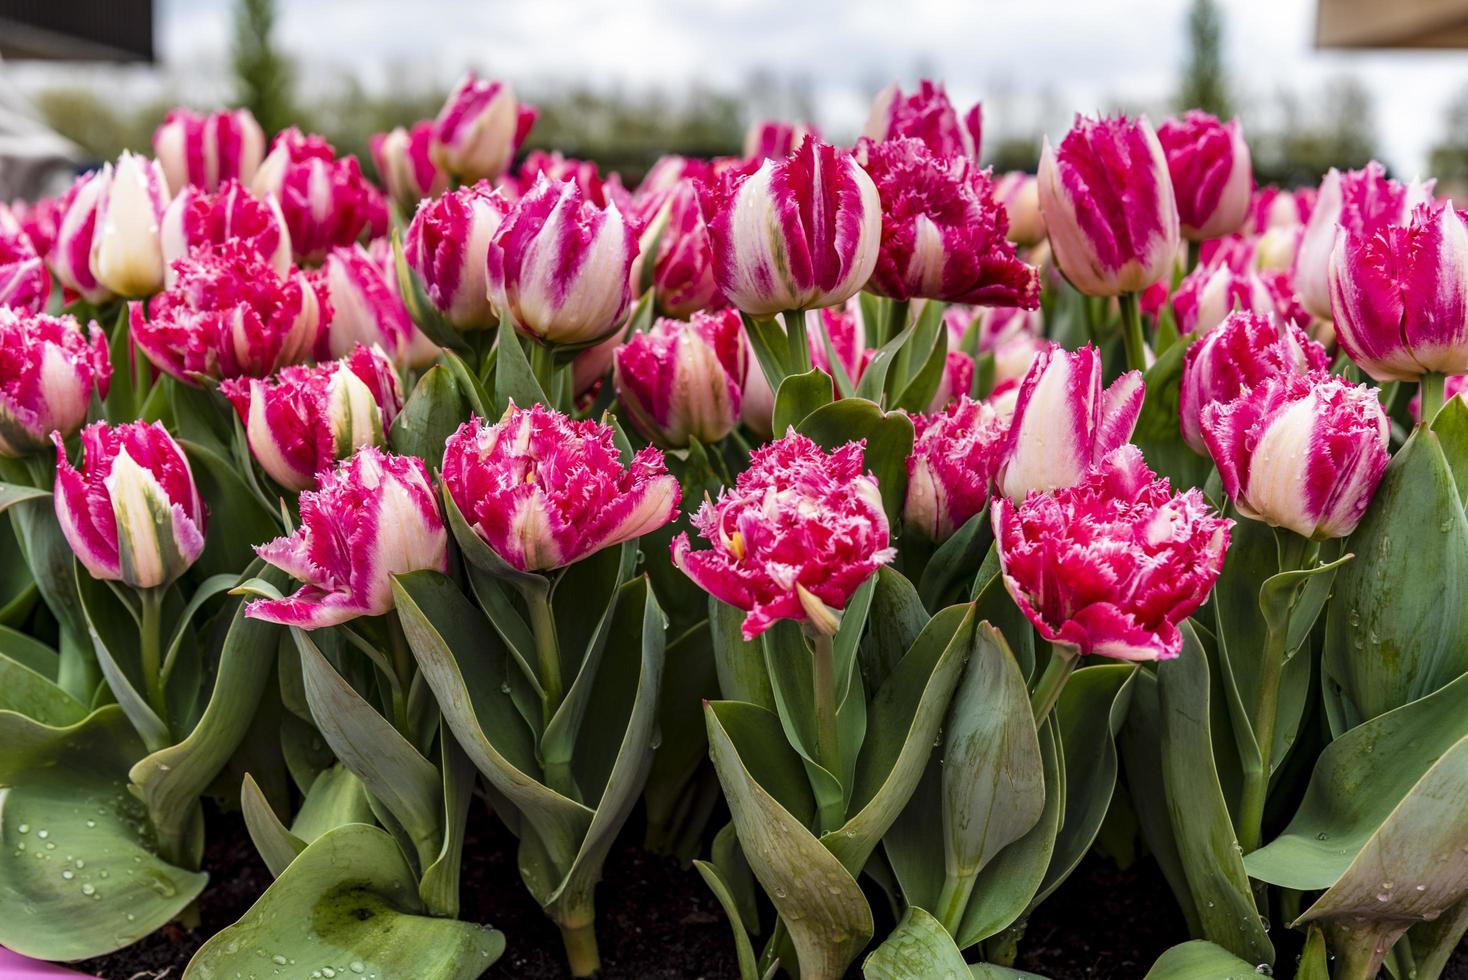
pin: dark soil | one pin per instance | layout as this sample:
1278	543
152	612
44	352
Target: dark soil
657	921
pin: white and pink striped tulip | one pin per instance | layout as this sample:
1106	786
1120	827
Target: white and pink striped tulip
325	200
405	165
127	245
204	151
199	217
25	283
955	454
71	252
1019	194
683	380
48	371
929	116
479	130
1209	293
1212	173
446	245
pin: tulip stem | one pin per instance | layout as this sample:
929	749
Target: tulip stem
547	649
799	346
581	950
150	643
953	900
828	739
896	318
542	365
1131	333
1063	660
1431	387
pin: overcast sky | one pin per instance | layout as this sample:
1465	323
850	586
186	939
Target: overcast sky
1077	54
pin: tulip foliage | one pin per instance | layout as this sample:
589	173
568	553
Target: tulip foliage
876	533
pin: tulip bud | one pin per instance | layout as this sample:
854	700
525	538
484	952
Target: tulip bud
682	380
1112	565
559	267
1300	451
1246	350
768	139
925	115
942	234
365	310
1212	175
545	491
667	173
405	165
797	520
683	267
127	250
796	234
446	245
205	151
196	217
24	282
1271	208
955	455
1108	204
1208	294
71	253
479	130
1019	194
40	220
132	513
48	371
373	517
1399	295
325	201
1064	423
600	192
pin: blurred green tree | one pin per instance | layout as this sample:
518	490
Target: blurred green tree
262	73
1448	161
1335	127
1205	82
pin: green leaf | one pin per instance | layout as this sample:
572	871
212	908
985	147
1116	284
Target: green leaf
740	663
1315	960
114	635
823	908
919	392
918	949
888	438
513	379
12	494
1157	432
873	383
956	561
1208	850
678	767
432	413
420	308
276	845
897	617
743	951
36	696
767	340
78	874
439	885
336	797
348	903
799	395
237	521
1200	960
28	652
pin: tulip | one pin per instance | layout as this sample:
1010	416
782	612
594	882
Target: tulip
1247	349
197	217
1019	194
1365	200
132	513
226	315
682	380
1064	423
479	130
366	310
667	173
446	245
601	192
24	282
41	220
1108	205
771	140
1112	565
928	116
955	454
302	420
836	324
373	517
683	267
326	201
405	165
1275	250
994	325
559	267
205	151
794	537
796	234
545	491
1212	175
1399	295
942	234
127	249
958	379
1208	294
1271	207
48	371
71	253
1013	358
1300	451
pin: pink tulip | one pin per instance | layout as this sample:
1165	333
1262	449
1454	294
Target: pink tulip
795	536
1108	204
1246	350
1112	565
666	174
1212	174
446	245
132	513
1273	207
950	473
127	247
1019	194
769	139
942	234
480	129
405	165
601	191
796	234
197	217
559	267
957	380
41	220
1209	293
301	420
1300	451
48	371
683	268
326	201
25	284
71	253
682	380
204	151
366	310
994	325
928	116
1399	295
227	314
373	517
545	491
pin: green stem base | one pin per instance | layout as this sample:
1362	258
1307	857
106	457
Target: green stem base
581	950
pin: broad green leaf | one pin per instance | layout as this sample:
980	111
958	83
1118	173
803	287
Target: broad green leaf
922	387
740	663
743	951
115	640
78	873
439	884
53	564
1201	960
897	617
432	413
672	791
274	842
767	341
888	438
799	395
36	696
513	379
348	904
873	383
788	662
1434	943
12	494
1157	432
29	652
956	562
336	797
1451	426
918	949
1315	960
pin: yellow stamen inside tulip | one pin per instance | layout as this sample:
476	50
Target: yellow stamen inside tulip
736	545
